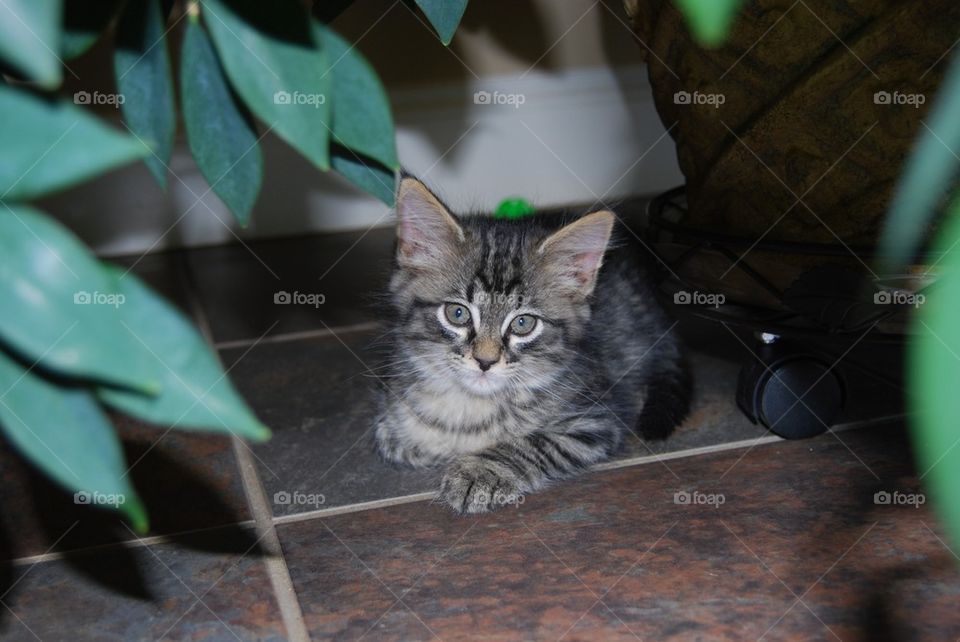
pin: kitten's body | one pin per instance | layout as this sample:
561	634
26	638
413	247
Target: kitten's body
602	360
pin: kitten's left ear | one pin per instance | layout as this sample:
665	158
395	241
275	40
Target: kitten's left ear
574	253
427	234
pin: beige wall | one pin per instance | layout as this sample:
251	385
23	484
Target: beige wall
495	37
586	132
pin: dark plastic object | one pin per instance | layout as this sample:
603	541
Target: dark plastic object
768	389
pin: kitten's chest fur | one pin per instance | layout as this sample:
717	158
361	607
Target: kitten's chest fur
442	423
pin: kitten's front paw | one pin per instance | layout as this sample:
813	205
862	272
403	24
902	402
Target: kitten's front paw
473	485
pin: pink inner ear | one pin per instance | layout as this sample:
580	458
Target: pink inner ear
416	242
586	265
426	233
411	238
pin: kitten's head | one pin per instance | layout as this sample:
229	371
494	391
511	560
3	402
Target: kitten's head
491	305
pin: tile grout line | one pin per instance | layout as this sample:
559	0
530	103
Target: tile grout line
628	462
283	337
274	562
354	508
428	495
133	543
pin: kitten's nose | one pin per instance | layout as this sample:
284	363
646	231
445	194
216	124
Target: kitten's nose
486	352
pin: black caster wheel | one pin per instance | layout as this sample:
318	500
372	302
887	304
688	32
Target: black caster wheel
791	391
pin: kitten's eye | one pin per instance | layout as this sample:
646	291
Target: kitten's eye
523	324
457	314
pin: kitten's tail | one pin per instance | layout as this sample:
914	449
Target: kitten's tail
667	401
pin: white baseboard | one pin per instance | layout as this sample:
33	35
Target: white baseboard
578	135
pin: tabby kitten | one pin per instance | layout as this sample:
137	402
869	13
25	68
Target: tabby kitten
524	350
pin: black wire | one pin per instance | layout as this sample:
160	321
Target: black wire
657	222
656	219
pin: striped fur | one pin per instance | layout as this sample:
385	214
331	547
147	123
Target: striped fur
554	401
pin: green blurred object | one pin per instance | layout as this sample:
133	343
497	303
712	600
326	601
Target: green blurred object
926	177
513	208
933	367
709	20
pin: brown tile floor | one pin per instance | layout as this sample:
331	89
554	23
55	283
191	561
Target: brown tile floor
796	550
610	556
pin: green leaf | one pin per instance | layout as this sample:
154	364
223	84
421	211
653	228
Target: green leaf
84	23
64	432
142	68
274	64
221	133
365	173
196	392
48	145
444	15
361	111
927	175
60	307
709	20
934	369
30	38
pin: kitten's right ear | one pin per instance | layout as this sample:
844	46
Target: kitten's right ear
427	233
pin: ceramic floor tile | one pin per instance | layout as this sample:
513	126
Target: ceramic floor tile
320	401
718	546
243	288
187	482
212	587
162	272
319	398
